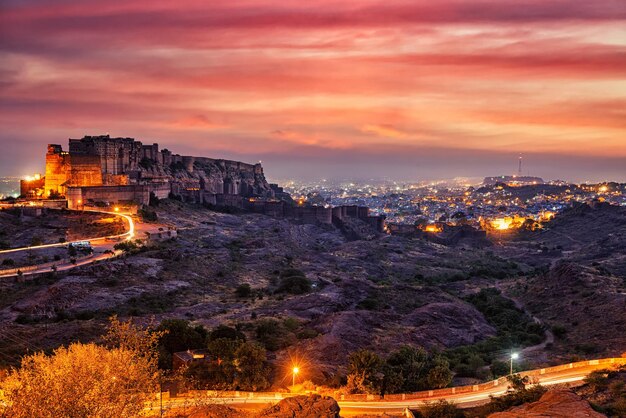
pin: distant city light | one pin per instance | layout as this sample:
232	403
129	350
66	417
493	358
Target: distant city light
501	223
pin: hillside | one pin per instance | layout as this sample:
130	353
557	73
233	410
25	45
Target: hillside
308	289
377	294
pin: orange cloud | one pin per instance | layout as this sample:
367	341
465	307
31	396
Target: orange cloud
200	122
384	130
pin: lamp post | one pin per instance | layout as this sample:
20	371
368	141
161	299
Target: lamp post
295	371
514	356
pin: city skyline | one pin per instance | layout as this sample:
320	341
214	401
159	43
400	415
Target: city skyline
361	89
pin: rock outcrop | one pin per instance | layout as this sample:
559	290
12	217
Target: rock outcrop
313	406
554	404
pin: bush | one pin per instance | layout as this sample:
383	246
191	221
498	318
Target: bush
440	409
148	215
243	290
125	246
307	333
295	285
515	398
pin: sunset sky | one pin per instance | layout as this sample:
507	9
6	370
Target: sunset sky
324	89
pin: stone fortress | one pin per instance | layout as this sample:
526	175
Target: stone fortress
101	169
105	171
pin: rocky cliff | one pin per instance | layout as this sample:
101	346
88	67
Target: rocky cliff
210	175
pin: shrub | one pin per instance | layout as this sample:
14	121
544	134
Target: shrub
243	290
125	246
295	285
148	215
307	333
440	409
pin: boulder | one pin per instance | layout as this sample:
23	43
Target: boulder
313	406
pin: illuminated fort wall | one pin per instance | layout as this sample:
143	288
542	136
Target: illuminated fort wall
79	197
64	169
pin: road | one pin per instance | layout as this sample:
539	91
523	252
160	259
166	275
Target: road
102	246
358	407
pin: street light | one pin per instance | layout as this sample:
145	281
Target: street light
514	356
295	371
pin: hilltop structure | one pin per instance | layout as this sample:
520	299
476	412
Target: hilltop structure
513	180
103	171
111	170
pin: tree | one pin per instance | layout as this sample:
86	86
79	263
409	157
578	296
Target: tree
439	376
296	285
364	369
411	364
178	335
252	367
126	335
82	380
224	331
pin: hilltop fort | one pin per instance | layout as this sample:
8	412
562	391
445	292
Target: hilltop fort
105	169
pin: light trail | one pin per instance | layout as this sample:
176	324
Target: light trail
128	234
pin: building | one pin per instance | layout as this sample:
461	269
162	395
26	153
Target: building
513	180
101	169
189	357
32	187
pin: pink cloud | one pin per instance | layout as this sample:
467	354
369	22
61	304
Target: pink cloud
332	75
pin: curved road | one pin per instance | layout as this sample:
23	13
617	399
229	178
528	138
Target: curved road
102	247
358	407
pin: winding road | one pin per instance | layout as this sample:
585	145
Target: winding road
102	247
465	397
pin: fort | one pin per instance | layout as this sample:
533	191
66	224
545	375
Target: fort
99	169
103	171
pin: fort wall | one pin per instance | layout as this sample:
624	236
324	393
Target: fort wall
79	197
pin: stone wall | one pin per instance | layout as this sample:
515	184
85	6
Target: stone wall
80	197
